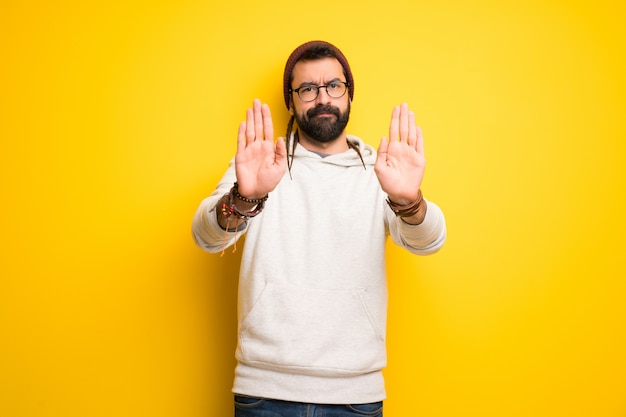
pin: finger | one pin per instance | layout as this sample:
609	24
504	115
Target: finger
412	138
250	125
268	127
404	122
419	146
241	136
258	120
395	123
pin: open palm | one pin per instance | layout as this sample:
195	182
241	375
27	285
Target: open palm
259	163
400	163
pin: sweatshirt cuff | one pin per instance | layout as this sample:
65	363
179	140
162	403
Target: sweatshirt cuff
428	235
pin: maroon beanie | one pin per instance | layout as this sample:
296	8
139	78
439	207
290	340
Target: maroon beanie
297	54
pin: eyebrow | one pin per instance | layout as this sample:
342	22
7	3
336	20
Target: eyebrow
308	84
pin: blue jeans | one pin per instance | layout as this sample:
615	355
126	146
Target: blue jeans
261	407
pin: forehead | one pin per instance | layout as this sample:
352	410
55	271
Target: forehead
318	71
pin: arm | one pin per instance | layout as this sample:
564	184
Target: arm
423	239
258	167
207	232
400	164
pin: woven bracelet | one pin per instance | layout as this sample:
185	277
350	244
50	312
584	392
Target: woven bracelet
407	210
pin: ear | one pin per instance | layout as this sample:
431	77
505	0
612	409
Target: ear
291	107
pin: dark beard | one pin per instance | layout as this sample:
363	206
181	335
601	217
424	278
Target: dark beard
323	129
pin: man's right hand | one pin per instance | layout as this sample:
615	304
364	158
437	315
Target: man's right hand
260	163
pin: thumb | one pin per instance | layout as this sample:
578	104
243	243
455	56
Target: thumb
280	153
384	145
381	155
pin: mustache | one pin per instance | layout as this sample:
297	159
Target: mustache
323	109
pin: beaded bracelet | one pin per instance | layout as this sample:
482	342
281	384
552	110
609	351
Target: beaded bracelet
230	210
407	210
235	190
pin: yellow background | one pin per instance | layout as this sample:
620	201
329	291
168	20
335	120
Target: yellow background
117	118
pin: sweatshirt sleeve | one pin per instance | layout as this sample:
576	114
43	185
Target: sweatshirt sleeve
422	239
206	231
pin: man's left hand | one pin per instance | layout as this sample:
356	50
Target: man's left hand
400	163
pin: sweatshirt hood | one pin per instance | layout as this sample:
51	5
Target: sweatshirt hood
347	158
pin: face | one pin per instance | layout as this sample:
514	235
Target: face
325	118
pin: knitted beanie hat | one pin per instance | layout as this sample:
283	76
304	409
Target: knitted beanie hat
296	55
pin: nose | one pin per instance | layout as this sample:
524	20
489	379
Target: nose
322	96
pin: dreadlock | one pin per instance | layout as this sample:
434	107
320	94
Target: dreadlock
292	141
354	146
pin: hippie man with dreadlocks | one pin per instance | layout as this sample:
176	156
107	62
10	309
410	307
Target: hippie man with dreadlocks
317	208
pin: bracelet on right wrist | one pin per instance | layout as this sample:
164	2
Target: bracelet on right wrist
235	191
231	209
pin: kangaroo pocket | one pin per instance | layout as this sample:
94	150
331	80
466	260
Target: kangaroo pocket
312	331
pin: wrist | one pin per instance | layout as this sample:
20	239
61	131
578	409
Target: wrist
243	194
247	198
404	200
244	207
407	209
418	217
234	209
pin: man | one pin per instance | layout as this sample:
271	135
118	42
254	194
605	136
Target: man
317	210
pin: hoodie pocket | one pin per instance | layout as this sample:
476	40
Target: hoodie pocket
312	331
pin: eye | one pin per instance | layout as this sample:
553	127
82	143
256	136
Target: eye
307	89
334	85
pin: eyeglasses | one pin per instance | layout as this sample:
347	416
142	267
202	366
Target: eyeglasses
334	89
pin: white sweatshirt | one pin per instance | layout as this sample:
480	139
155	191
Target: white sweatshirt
312	304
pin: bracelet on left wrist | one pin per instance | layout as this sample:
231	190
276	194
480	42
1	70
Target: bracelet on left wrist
407	210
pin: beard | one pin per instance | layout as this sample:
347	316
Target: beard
323	129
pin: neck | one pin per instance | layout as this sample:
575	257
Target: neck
338	145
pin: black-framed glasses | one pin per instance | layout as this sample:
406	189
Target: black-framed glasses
309	92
